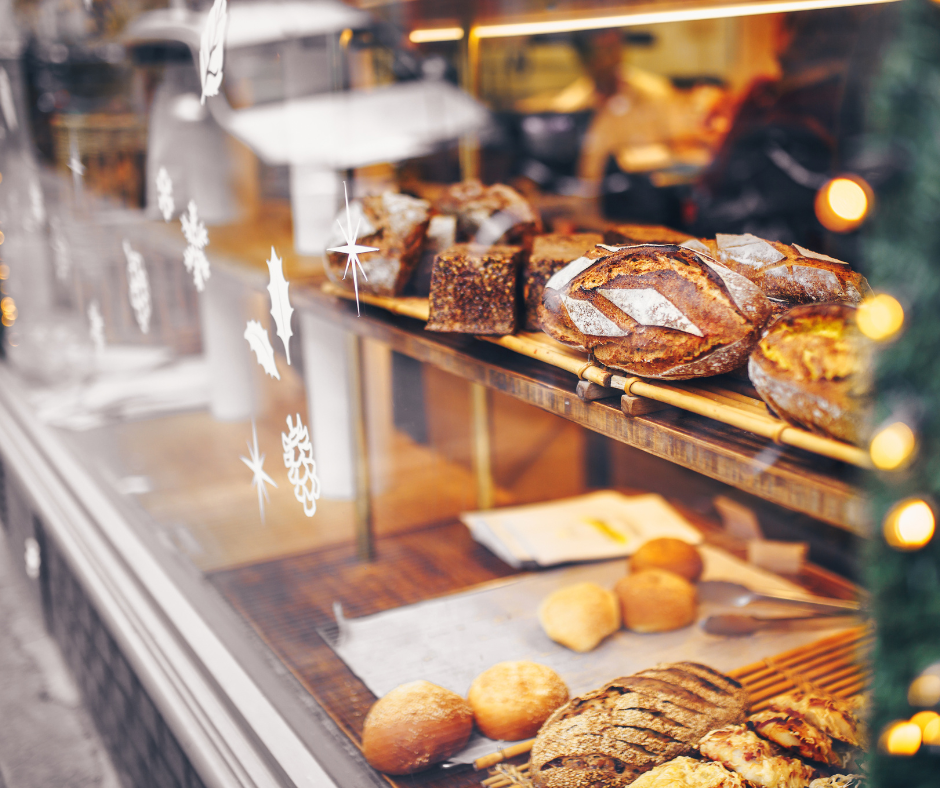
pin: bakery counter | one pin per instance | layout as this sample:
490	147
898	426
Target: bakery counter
798	480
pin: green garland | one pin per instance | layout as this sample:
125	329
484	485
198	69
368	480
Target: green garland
903	255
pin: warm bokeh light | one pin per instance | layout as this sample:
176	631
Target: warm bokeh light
880	317
4	271
924	690
901	738
931	734
7	311
892	446
909	525
843	203
923	718
436	34
1	236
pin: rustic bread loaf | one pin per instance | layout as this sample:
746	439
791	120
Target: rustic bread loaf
511	700
654	310
394	223
791	274
487	215
810	368
473	289
610	736
550	253
621	234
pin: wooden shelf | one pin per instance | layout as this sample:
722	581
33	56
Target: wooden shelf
792	478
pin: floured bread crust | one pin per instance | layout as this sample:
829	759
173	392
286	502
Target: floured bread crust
810	368
655	310
487	215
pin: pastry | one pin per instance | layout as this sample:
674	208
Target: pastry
612	735
550	253
673	555
809	367
624	234
685	772
511	700
488	215
791	274
656	600
759	762
394	223
473	289
657	311
415	726
839	781
795	734
580	616
831	715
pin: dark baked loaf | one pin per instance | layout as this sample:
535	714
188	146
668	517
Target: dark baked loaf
791	273
620	234
810	368
658	311
394	223
473	289
486	215
610	736
550	253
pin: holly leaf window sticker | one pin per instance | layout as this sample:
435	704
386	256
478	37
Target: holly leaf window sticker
281	310
259	342
212	50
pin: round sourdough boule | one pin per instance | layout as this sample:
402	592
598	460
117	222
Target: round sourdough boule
580	616
415	726
656	600
673	555
511	700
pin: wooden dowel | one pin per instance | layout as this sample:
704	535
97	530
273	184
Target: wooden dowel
488	761
853	634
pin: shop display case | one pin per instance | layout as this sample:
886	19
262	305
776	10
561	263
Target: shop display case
240	467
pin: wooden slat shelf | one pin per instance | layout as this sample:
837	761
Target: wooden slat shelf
793	478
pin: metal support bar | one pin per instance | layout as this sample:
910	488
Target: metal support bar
482	466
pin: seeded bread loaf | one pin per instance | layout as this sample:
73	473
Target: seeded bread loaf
655	310
809	367
395	224
610	736
550	253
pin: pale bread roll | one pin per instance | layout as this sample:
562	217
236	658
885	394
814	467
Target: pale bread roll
415	726
673	555
656	600
511	700
580	616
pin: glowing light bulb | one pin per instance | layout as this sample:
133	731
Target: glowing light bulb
880	317
843	203
924	690
892	446
901	738
909	525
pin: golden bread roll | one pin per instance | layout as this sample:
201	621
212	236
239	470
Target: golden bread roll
580	616
673	555
656	600
511	700
415	726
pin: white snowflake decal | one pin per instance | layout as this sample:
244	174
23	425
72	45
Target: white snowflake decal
194	258
351	249
96	327
301	469
281	310
165	194
256	463
212	50
138	284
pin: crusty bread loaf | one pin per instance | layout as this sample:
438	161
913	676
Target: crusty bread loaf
810	368
511	700
610	736
415	726
580	616
674	555
657	311
394	223
621	234
550	253
656	600
791	273
487	215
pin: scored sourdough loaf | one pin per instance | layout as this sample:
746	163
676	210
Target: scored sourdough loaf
550	253
655	310
609	736
810	368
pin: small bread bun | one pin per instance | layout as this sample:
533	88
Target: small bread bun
414	726
655	600
580	616
671	554
511	700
